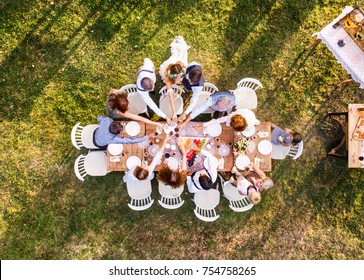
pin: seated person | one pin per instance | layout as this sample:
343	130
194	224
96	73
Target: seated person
218	102
192	82
205	178
239	120
246	188
174	178
107	133
256	177
145	83
174	69
145	172
285	137
117	105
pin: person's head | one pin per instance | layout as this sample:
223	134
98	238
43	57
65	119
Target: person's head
115	127
119	102
254	196
205	181
238	123
195	75
147	84
170	177
141	172
296	138
175	72
264	183
223	103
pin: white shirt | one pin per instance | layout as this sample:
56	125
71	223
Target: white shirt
147	71
196	92
129	174
212	169
246	113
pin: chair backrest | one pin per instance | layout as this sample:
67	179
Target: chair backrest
209	88
296	151
206	215
82	136
177	89
93	164
76	136
141	204
170	197
165	104
252	83
137	104
237	202
279	151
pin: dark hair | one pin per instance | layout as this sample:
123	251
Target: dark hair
115	127
195	75
296	138
171	178
205	182
238	123
175	68
141	173
119	102
147	83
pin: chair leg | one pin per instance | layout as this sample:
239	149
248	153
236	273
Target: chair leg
343	128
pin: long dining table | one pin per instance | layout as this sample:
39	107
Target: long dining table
355	136
146	151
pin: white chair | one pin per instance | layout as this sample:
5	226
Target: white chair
246	93
170	198
279	151
137	104
237	202
207	90
82	136
93	164
165	103
296	151
140	195
206	201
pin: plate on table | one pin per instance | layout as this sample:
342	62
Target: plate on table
115	149
265	147
224	150
214	130
172	163
132	128
153	150
133	161
242	161
251	147
249	132
215	162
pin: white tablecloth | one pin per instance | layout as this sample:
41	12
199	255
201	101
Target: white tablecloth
350	56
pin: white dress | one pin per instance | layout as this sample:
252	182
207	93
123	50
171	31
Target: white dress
179	50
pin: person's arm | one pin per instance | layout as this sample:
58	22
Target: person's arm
199	110
170	93
257	170
184	158
219	120
134	117
194	99
159	155
129	140
181	125
149	101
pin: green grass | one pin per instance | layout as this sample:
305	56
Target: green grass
59	61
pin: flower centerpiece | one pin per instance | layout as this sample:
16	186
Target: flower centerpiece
240	146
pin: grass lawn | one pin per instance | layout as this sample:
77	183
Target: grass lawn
59	59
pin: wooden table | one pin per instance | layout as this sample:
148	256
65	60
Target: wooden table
265	161
355	146
226	137
128	150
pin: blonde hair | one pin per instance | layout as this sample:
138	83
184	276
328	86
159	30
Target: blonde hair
254	197
267	183
238	123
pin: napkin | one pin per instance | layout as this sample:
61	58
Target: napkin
221	164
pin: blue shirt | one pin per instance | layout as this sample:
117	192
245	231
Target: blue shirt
277	131
104	137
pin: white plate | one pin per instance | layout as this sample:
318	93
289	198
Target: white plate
172	163
249	132
215	162
224	150
265	147
214	130
115	149
242	161
133	161
132	128
153	150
